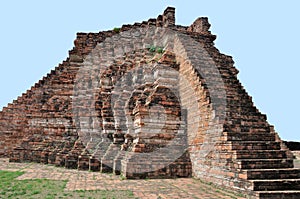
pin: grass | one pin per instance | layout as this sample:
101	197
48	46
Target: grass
117	30
156	49
11	188
225	192
122	177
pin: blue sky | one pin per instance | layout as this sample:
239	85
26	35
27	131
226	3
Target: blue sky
262	36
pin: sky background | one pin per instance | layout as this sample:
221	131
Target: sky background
262	36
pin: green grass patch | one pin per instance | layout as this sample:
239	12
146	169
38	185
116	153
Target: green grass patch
11	188
156	49
117	30
221	190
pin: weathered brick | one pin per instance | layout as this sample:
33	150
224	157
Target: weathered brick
179	112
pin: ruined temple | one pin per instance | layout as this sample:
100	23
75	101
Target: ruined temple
150	100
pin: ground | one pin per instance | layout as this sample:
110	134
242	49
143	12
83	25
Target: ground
29	180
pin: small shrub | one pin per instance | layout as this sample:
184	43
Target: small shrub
160	50
156	49
152	49
122	177
117	30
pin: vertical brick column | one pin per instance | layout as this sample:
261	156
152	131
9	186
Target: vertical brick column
169	17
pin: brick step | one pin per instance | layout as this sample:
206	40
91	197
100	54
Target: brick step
263	163
246	136
278	194
107	161
276	185
288	173
260	154
249	145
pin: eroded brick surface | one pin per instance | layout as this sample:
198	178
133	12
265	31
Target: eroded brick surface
150	113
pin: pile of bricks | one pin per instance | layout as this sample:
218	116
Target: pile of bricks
179	111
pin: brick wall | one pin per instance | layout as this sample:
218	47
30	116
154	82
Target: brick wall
120	104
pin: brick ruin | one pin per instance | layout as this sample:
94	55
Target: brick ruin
150	100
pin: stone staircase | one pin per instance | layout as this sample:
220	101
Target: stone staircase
265	168
243	152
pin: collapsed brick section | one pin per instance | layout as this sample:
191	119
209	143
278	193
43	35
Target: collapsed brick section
230	144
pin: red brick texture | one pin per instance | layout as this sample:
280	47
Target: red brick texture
193	119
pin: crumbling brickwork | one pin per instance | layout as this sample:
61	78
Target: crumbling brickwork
170	106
